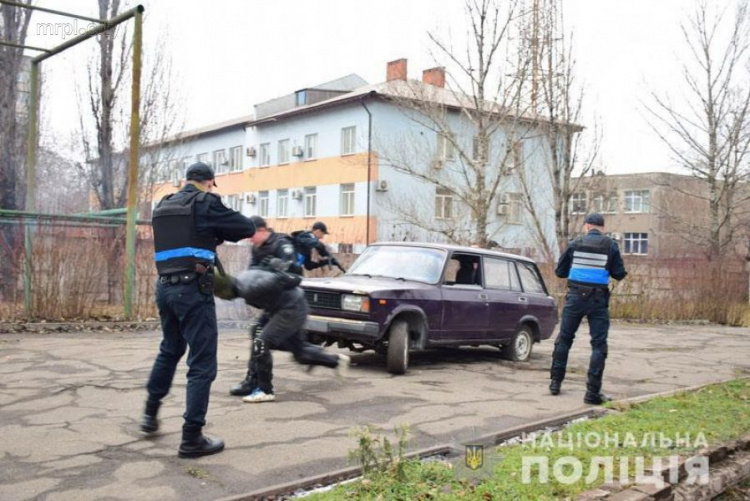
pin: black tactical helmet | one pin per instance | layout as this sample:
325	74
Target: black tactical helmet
199	172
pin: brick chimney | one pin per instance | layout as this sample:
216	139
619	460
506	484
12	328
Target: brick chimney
434	76
396	70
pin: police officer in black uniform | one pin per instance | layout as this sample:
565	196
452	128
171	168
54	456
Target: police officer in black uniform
188	226
587	263
306	241
267	244
274	289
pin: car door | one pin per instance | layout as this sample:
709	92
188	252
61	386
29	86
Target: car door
465	302
507	302
537	300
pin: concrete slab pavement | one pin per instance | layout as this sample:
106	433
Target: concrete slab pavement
70	405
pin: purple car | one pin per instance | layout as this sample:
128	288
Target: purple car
402	297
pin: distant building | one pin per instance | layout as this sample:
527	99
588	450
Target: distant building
655	215
321	153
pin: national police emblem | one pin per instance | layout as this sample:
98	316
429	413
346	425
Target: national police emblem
474	456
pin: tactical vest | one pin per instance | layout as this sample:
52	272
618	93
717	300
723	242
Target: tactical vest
590	261
178	247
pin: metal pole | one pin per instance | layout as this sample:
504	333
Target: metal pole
130	230
30	183
111	23
369	167
19	46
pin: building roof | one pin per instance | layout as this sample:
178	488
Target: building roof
412	90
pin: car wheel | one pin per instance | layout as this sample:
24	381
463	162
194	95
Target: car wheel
398	347
519	348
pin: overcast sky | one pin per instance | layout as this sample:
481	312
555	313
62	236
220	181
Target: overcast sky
231	54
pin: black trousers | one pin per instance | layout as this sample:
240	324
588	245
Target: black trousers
188	319
594	305
284	331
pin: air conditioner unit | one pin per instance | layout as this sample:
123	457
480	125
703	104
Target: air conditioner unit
381	185
297	195
616	236
297	151
503	209
250	151
250	198
504	199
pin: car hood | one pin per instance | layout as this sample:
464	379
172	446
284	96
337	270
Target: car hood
362	284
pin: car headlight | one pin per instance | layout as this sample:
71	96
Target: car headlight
351	302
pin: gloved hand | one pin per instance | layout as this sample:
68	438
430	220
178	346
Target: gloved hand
276	264
225	287
333	261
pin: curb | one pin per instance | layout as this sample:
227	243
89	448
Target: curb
68	327
453	450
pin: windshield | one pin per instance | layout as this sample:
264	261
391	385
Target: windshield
408	263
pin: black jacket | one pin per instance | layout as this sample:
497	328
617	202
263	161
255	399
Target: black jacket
594	240
213	224
277	245
305	242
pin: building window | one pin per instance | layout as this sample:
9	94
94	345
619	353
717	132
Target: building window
263	203
347	199
310	200
311	151
606	204
443	204
637	201
348	135
203	158
636	243
445	149
235	159
300	98
510	208
282	203
578	203
233	202
284	151
264	155
513	158
220	162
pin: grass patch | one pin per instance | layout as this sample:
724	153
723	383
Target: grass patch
198	473
710	416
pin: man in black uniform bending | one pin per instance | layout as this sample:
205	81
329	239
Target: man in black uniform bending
267	244
587	263
274	289
188	226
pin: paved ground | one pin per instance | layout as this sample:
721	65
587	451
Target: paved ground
70	403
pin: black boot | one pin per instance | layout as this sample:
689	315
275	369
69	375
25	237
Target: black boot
554	386
246	387
149	423
596	398
594	395
195	444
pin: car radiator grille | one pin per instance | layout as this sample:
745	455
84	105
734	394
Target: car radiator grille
327	300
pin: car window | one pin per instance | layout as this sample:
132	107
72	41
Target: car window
408	263
463	269
530	278
497	274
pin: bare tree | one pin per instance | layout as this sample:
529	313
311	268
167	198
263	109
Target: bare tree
14	24
707	128
475	126
105	111
105	116
557	100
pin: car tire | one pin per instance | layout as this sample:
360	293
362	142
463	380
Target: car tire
519	348
398	347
